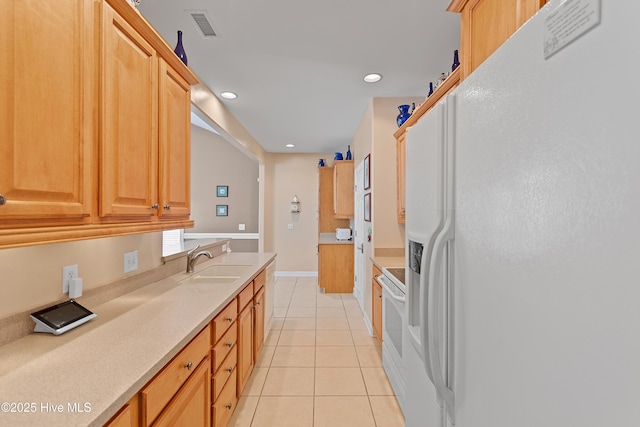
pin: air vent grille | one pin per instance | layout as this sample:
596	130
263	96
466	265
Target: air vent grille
203	23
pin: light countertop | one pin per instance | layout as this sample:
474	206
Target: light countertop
106	361
330	239
388	261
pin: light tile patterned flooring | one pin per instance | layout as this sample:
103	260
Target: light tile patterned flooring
319	366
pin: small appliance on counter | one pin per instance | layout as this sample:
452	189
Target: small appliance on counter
343	234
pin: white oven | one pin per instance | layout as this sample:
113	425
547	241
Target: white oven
393	329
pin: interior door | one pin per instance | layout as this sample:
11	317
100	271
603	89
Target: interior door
360	279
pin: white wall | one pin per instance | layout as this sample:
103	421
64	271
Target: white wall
286	175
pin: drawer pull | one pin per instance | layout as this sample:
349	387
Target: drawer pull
229	369
229	344
228	406
3	200
229	319
188	366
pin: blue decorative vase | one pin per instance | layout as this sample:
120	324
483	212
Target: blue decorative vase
404	114
338	156
456	61
179	50
321	163
348	153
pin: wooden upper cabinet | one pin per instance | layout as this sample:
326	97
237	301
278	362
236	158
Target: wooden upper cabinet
129	143
327	222
443	90
343	188
46	112
486	24
175	143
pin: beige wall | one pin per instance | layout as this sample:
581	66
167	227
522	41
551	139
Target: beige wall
216	162
32	276
375	137
286	175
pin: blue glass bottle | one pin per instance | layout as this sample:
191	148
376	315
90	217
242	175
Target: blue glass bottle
179	50
430	89
456	61
348	157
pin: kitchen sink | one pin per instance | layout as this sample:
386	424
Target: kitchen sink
225	270
199	278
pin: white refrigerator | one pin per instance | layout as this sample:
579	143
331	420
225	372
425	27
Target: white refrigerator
524	187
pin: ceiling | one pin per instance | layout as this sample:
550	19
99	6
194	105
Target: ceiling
297	66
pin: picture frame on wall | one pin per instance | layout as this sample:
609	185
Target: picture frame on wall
367	172
367	207
222	191
222	210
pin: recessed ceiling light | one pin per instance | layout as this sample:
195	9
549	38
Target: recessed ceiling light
228	95
289	145
372	78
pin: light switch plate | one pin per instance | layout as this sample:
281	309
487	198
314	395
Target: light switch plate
241	227
130	261
289	226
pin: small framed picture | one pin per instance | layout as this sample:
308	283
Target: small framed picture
367	172
222	210
222	191
367	207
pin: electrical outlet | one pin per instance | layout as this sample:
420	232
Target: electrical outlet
130	261
69	272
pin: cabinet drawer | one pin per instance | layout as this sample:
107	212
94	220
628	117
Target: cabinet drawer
191	406
226	403
164	386
227	368
259	281
224	346
224	319
245	297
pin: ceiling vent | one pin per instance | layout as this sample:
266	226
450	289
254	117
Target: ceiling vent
203	22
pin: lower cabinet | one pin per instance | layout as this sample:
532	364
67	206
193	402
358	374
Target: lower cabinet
376	304
335	267
245	345
258	323
167	389
127	416
191	406
202	384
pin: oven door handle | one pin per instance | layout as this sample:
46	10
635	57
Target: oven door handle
389	290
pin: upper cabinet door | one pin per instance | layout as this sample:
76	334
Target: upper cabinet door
46	104
129	143
175	143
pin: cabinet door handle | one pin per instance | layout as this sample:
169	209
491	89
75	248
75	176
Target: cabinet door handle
167	207
229	344
155	206
3	200
229	319
228	406
188	366
229	370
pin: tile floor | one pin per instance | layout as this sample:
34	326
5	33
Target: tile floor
319	366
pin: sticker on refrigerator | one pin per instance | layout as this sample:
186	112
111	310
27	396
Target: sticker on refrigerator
568	22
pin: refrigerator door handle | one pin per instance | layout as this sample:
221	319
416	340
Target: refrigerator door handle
432	334
422	341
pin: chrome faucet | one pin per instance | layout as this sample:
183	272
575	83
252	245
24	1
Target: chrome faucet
192	256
